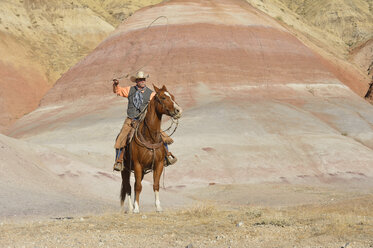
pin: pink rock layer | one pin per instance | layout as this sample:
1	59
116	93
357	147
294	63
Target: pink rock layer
259	105
220	43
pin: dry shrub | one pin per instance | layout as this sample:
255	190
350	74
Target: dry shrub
275	219
343	226
201	210
253	213
342	220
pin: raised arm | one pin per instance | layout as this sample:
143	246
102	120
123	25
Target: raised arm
115	85
119	90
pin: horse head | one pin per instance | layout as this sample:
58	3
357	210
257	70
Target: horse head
167	104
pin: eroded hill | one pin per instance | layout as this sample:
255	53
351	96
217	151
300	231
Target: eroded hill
40	40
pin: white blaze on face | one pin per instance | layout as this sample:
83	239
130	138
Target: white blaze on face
176	106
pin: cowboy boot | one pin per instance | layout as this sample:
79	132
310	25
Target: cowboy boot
170	159
118	165
166	139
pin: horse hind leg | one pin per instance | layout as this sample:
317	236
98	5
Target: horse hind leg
126	190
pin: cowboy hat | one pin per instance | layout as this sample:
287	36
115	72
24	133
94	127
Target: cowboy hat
139	74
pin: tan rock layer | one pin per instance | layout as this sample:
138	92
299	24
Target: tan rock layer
47	38
334	29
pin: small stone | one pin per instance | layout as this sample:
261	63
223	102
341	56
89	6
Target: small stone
219	237
189	246
239	224
81	219
144	217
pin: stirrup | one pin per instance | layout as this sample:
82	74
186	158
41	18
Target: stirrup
170	160
118	166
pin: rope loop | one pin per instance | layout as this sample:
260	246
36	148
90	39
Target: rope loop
153	56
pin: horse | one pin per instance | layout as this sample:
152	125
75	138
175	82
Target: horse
146	151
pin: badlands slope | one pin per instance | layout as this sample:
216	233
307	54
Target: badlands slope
40	40
340	31
260	105
339	27
45	181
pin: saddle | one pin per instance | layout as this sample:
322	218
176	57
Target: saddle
165	138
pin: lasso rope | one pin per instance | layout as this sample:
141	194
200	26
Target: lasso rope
152	57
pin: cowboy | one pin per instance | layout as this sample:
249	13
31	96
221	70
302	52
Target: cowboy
138	98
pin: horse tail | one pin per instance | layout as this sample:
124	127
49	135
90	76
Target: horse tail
123	190
126	174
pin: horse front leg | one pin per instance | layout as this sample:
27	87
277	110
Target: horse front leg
138	186
156	178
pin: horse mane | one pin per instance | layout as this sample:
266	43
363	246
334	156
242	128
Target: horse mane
143	113
141	121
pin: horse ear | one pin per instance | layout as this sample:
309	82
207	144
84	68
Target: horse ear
155	88
164	88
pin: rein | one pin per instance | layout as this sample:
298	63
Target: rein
140	140
172	123
173	120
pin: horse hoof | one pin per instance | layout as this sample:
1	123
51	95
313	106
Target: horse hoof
136	211
159	209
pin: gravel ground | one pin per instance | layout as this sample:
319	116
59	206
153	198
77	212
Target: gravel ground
348	221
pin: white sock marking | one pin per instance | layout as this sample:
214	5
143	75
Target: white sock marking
136	210
130	206
157	202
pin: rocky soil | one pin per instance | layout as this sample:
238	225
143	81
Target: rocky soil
331	219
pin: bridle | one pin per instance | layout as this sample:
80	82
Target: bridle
162	104
139	138
174	121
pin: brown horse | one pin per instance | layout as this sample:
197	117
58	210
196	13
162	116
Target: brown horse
147	151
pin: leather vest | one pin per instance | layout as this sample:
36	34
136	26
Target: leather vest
132	111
